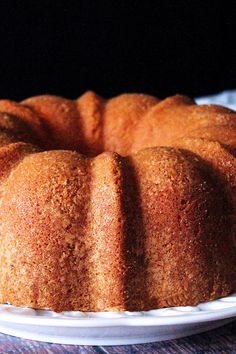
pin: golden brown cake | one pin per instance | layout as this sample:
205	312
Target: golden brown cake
120	204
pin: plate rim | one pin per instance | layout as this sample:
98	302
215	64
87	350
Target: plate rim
129	320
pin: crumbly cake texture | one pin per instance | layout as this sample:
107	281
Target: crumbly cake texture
120	204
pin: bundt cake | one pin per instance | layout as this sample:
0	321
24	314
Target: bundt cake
120	204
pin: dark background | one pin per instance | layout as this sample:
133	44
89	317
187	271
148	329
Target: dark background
160	48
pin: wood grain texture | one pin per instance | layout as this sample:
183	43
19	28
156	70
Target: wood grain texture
221	340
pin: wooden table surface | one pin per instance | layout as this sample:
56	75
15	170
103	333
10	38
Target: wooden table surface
221	340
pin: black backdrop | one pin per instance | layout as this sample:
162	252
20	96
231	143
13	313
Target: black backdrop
160	48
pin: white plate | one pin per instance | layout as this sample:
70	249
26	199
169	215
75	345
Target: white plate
225	98
117	328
